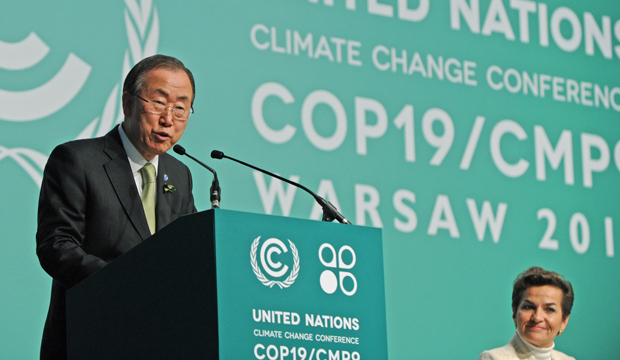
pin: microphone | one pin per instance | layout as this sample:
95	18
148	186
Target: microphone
215	185
330	213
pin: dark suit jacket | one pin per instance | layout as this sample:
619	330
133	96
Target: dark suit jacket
90	213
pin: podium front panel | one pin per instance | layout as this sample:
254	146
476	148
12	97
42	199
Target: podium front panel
235	285
298	289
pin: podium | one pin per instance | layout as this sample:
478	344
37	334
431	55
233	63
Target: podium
223	284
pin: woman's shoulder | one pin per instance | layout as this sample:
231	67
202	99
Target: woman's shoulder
557	355
508	352
504	353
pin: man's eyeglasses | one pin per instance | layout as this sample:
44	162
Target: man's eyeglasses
157	107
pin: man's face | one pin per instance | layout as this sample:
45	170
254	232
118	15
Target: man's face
154	134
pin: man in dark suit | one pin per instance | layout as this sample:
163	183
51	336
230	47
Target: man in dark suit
101	197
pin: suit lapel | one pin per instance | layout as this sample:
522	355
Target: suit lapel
163	207
520	349
121	177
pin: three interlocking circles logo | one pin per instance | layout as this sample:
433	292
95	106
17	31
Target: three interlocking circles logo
345	260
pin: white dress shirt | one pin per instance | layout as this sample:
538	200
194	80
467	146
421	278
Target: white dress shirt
136	160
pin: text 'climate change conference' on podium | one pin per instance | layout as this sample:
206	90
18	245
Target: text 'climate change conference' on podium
234	285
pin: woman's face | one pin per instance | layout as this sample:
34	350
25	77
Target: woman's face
539	315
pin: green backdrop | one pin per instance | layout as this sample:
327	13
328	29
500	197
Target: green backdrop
482	136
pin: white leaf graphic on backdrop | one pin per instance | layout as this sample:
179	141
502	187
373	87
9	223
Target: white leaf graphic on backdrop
21	156
48	98
57	92
140	16
24	54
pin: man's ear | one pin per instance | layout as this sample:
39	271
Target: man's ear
127	104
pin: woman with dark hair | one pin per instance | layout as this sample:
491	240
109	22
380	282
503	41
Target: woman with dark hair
541	304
